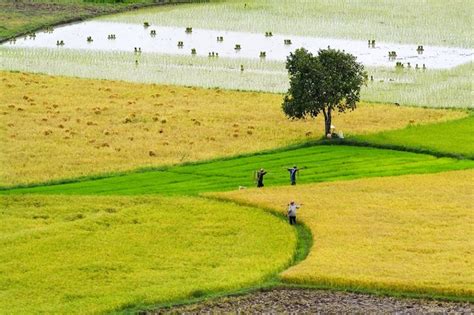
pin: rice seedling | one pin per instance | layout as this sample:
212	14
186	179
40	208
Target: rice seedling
137	106
410	234
101	254
436	57
417	23
441	88
432	88
320	163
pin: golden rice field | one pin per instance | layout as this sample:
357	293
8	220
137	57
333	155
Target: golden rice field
410	233
58	127
90	255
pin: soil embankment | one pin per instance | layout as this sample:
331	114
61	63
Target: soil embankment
305	301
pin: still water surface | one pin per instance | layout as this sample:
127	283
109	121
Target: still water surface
131	36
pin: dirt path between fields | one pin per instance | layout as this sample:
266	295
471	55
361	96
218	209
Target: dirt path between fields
305	301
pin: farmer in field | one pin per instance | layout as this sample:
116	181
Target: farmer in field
293	171
260	175
292	207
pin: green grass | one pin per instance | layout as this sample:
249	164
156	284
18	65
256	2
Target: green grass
453	137
405	21
63	254
324	163
431	88
20	17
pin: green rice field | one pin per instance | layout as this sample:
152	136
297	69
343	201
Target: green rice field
454	137
322	163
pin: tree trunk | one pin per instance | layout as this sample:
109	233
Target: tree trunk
327	121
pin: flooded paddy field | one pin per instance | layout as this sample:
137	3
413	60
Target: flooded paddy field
433	22
121	48
137	38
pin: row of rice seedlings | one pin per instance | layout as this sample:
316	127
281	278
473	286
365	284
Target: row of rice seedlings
433	23
392	55
435	88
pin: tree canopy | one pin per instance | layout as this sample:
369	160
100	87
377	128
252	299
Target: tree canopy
329	81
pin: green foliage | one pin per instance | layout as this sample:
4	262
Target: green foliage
452	137
324	83
321	163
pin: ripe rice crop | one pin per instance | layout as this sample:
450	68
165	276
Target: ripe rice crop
56	127
89	255
411	234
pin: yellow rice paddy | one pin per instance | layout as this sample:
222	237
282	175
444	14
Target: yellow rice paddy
407	234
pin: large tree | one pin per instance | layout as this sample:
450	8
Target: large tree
324	83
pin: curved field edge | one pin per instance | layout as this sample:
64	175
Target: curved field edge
404	236
321	163
142	249
304	242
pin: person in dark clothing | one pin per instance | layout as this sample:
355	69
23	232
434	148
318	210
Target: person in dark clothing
293	171
260	175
